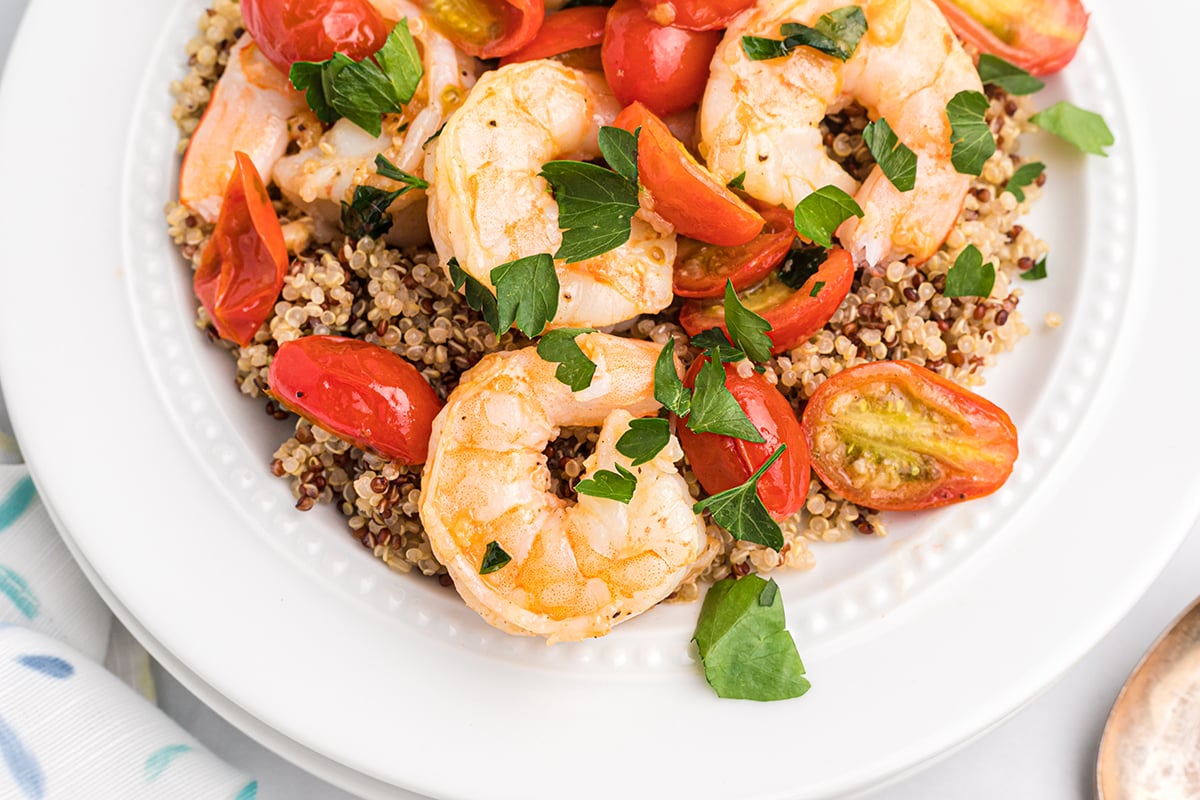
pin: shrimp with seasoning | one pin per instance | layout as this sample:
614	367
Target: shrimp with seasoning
576	570
488	205
763	117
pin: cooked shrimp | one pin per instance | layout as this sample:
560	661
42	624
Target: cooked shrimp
488	206
762	117
249	111
320	177
579	569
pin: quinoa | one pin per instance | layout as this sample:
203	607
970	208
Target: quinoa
401	299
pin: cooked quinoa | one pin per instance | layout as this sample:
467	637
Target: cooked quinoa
402	300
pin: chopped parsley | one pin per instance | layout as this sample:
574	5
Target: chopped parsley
1009	77
367	212
895	158
716	410
494	558
644	440
835	34
526	293
1086	130
969	132
969	276
738	182
668	387
1035	273
575	369
1024	176
747	330
611	485
741	511
819	215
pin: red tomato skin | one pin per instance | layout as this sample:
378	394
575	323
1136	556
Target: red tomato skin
287	31
993	431
795	319
681	191
243	265
723	462
695	15
364	393
745	264
561	32
1037	51
665	68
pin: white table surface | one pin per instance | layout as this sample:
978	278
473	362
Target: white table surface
1044	752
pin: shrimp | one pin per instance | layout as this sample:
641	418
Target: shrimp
762	117
488	205
320	177
579	569
248	111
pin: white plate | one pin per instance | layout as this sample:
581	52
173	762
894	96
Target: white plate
158	469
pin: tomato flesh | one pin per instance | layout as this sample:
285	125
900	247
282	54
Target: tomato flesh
364	393
723	462
695	15
681	191
794	314
664	67
243	265
894	436
701	270
287	31
1040	36
569	29
487	28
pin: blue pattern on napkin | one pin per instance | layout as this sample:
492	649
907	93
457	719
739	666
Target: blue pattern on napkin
16	501
158	761
21	763
14	587
53	666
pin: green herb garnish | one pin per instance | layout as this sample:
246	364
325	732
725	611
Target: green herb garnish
668	388
744	644
479	297
362	91
645	439
817	287
611	485
1024	176
1009	77
819	215
575	369
970	277
1086	130
1035	273
969	132
493	559
800	264
895	158
619	148
738	182
716	410
367	212
526	293
835	34
747	330
741	511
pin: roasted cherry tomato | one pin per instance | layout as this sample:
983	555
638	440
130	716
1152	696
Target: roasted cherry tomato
723	462
894	436
695	15
287	31
244	263
664	67
794	314
701	270
681	191
487	28
569	29
1037	35
364	393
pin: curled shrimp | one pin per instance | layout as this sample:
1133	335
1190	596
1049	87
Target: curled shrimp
576	570
488	205
763	117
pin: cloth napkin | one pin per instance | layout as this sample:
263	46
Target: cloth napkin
69	728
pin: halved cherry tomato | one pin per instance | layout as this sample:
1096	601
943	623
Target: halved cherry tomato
287	31
794	314
487	28
723	462
1037	35
701	270
569	29
695	15
681	191
364	393
897	437
243	265
664	67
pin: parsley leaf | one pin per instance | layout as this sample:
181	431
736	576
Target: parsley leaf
493	559
835	34
970	277
895	158
367	212
668	388
390	171
819	215
526	294
595	205
816	289
711	339
479	297
1085	129
605	483
744	644
1035	273
644	440
969	132
747	329
714	408
1022	177
741	511
1009	77
800	264
574	368
362	91
738	182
